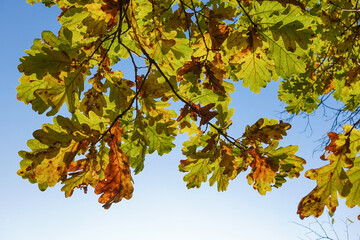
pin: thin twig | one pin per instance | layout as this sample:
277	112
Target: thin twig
107	50
315	232
135	71
344	9
202	34
128	108
185	14
241	6
354	125
100	44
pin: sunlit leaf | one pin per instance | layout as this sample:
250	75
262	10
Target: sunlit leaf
135	74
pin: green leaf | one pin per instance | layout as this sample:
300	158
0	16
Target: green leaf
120	89
51	75
198	168
353	195
287	63
42	94
86	171
255	69
46	56
173	49
197	163
290	23
159	141
47	3
87	20
74	85
226	167
348	91
300	94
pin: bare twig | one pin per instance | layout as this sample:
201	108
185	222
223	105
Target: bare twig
311	230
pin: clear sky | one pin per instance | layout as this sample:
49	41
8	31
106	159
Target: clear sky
162	207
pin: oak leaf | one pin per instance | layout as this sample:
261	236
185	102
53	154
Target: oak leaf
117	183
331	179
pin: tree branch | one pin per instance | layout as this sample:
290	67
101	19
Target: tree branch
241	6
220	131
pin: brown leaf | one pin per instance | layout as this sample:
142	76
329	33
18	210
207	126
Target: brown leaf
111	7
218	33
180	18
329	86
352	76
77	165
205	113
215	73
93	101
263	172
211	144
254	39
117	183
334	147
193	66
186	110
228	161
265	133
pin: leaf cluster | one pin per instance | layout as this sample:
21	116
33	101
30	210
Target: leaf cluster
191	52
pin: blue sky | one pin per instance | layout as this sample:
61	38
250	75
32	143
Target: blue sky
162	207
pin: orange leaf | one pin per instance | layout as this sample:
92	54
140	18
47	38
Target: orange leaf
263	172
117	183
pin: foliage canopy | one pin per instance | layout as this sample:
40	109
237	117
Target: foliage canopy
190	51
